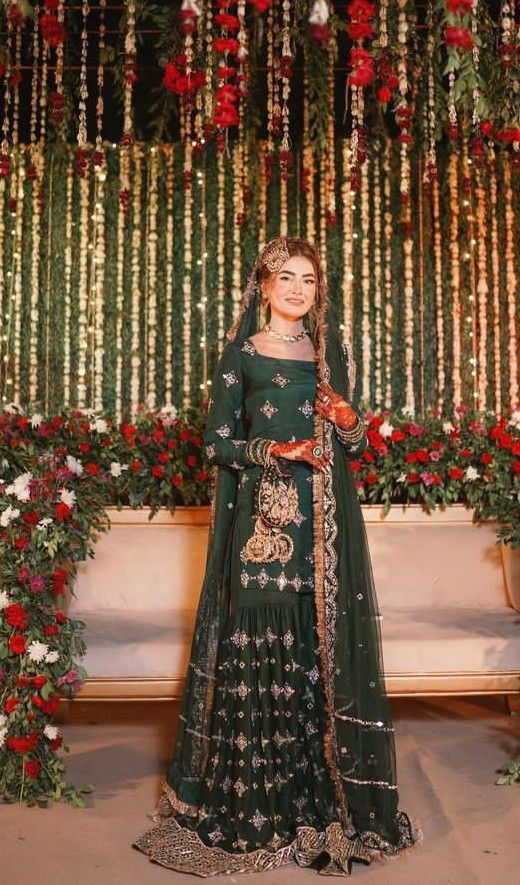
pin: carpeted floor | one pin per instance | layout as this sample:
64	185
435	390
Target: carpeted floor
448	752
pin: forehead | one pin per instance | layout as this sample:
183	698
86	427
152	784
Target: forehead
298	264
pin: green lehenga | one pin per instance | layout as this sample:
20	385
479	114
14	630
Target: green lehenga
284	750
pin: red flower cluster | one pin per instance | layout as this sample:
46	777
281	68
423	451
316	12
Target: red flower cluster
459	7
23	744
362	66
177	81
458	38
52	30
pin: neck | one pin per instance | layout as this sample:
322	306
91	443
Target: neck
285	325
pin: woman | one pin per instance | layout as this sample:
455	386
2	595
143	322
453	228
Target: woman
284	748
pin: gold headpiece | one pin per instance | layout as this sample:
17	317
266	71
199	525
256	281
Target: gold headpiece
274	254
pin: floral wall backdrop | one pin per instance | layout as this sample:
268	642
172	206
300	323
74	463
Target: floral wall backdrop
113	298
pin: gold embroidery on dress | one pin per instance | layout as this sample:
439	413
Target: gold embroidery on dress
276	506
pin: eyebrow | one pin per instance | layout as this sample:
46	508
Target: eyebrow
291	272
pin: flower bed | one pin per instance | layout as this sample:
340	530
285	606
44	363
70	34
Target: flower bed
58	476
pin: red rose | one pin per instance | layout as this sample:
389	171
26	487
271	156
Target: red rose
50	630
413	476
197	441
11	704
135	465
52	30
22	681
455	473
460	38
397	436
201	476
410	457
16	616
17	644
92	468
371	478
163	457
60	617
505	440
21	543
62	510
59	577
191	460
23	744
423	456
84	447
368	457
486	458
184	435
128	430
171	444
360	30
436	479
56	742
355	466
31	518
158	472
360	10
515	465
32	769
39	680
466	453
177	480
515	447
459	7
384	94
225	44
157	435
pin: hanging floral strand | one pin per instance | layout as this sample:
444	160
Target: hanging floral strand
130	77
361	63
81	152
285	155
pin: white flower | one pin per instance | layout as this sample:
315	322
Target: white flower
37	651
20	487
51	732
170	411
116	468
68	497
99	425
74	465
408	410
51	657
515	419
43	523
13	408
401	478
471	473
3	720
8	515
5	599
5	462
448	427
386	429
3	735
36	419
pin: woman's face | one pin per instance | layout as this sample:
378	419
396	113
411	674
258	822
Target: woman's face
291	291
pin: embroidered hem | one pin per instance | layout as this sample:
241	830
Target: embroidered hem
180	848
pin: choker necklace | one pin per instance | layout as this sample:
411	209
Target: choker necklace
284	337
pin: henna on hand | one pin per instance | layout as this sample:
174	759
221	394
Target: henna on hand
303	450
334	408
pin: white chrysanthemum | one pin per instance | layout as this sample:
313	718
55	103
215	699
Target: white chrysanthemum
68	496
448	427
13	408
43	523
408	411
5	462
8	515
37	651
170	411
3	735
401	478
386	429
5	599
99	425
74	465
36	419
51	657
20	487
515	419
471	473
115	468
51	732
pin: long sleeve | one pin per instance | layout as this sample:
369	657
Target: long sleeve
224	438
354	440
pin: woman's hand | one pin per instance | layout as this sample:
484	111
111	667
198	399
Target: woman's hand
303	450
334	408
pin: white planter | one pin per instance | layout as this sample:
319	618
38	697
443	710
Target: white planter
444	594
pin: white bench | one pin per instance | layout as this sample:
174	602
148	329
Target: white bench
445	593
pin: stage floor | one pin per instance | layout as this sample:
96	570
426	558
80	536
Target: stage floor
448	750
